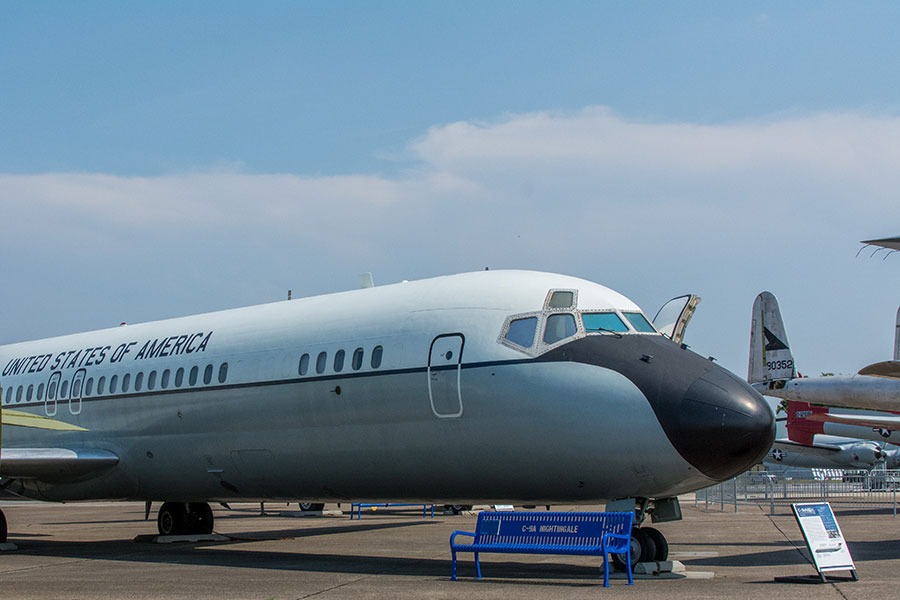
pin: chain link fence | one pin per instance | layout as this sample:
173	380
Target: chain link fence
876	488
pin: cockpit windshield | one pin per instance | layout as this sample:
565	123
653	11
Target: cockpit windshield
603	321
639	322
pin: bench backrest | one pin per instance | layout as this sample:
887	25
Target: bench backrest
550	528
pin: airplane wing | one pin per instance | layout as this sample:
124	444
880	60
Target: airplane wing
823	450
891	422
892	243
49	464
887	368
53	464
26	419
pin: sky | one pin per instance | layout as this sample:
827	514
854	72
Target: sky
159	159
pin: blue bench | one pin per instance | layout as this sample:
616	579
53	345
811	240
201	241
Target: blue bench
581	533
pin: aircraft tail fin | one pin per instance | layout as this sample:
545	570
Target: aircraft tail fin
770	354
799	429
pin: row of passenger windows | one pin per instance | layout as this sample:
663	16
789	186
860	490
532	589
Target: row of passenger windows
337	363
562	325
116	384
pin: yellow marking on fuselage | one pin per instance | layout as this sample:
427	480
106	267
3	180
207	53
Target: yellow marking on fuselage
19	418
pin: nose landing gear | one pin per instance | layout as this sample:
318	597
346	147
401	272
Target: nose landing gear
185	518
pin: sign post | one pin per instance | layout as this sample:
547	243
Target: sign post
825	542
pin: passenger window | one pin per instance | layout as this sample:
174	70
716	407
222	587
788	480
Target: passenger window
51	391
562	300
64	389
138	381
320	362
559	327
605	321
338	361
207	374
126	379
113	384
101	385
89	386
164	380
40	392
303	367
357	359
192	378
76	388
639	322
30	393
19	393
223	372
377	352
179	376
521	331
151	380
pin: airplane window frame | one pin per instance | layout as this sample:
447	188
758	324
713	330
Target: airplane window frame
223	372
101	385
338	363
303	365
321	362
193	376
113	384
179	377
207	374
356	362
377	356
151	381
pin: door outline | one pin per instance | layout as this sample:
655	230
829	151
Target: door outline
77	391
52	391
434	369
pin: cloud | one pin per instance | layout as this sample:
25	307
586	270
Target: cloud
642	203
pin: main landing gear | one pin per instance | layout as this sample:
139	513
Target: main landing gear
647	545
185	518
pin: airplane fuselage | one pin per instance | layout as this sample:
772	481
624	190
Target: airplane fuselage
422	390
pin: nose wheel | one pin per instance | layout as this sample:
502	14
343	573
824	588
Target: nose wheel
185	518
647	545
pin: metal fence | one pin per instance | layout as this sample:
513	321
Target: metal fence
877	488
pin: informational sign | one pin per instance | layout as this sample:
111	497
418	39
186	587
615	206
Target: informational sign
824	538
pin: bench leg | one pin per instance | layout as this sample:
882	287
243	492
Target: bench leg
477	566
453	572
606	570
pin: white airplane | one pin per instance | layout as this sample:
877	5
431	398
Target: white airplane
827	452
772	371
515	386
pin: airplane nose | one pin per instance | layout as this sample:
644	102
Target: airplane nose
724	425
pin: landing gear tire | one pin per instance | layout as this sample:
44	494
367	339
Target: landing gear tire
458	508
200	518
662	545
643	549
3	530
311	506
172	519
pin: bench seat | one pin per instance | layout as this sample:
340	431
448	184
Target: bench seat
595	533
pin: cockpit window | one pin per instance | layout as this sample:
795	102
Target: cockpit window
639	322
605	321
561	299
521	331
559	327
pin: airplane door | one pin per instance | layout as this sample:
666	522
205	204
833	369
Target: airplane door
75	397
444	371
50	399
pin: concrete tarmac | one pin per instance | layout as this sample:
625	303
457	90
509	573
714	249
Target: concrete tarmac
88	551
